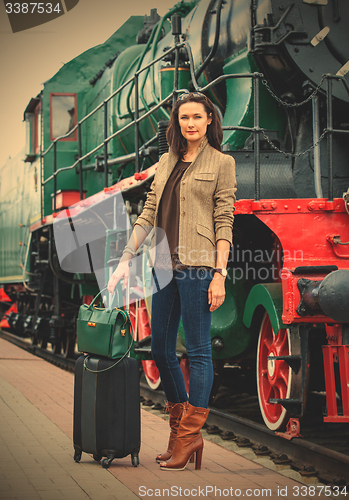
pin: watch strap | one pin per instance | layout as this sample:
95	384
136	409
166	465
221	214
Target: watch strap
221	271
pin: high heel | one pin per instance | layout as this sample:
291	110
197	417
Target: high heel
198	458
175	411
181	456
189	439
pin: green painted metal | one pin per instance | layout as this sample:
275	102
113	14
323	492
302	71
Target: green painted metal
74	77
85	289
110	81
167	80
20	207
269	296
122	106
125	108
240	112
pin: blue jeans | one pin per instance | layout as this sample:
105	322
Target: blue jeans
186	295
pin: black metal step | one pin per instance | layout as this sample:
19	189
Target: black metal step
294	406
293	360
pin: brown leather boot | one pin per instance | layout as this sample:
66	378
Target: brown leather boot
175	410
189	439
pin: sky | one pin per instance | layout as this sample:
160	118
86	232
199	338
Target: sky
29	58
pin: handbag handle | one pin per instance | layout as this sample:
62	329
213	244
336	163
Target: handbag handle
90	306
119	360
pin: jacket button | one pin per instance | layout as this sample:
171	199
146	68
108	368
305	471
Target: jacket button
182	198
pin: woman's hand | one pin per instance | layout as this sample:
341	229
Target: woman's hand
216	292
122	271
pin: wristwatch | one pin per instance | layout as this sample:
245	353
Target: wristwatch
221	271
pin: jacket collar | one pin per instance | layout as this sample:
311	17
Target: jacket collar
173	159
202	146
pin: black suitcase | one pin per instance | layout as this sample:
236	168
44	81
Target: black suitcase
107	409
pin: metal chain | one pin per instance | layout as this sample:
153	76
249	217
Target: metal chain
294	155
295	104
346	207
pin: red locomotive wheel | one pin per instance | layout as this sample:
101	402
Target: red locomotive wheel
274	377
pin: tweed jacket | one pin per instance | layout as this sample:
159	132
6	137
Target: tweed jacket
206	203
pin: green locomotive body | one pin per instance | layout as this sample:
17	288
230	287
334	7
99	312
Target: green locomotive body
20	204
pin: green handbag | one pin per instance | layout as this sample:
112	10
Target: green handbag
103	332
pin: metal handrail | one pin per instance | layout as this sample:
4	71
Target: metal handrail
330	130
134	81
107	138
118	132
138	119
117	91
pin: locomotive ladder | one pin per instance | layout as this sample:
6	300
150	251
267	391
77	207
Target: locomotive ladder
331	354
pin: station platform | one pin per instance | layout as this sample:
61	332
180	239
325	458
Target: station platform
36	449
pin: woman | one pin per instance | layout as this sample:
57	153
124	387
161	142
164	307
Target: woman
192	200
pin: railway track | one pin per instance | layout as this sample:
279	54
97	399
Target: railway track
311	460
314	462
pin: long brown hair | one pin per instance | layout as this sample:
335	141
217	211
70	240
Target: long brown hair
214	133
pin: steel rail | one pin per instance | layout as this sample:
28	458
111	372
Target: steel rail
56	359
327	462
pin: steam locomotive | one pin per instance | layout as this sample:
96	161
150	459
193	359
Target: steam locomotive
278	73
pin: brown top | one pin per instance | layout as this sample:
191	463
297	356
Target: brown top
168	215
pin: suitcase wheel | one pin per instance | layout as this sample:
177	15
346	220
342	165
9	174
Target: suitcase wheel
134	459
77	456
97	458
106	462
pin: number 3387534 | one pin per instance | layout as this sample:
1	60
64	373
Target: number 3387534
32	8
